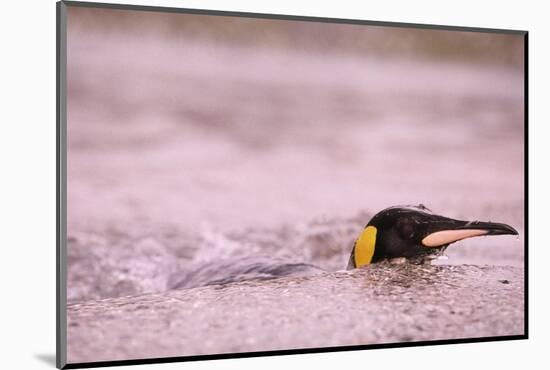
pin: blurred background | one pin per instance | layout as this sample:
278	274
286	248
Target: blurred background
194	137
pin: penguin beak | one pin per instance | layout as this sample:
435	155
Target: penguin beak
445	231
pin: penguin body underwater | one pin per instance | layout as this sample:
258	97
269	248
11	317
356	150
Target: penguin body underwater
411	232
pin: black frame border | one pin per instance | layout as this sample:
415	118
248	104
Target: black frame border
61	184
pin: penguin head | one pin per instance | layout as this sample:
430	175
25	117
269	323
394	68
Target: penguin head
415	233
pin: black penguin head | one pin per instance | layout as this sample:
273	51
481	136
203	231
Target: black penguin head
414	232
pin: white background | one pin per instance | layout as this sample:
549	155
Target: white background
27	204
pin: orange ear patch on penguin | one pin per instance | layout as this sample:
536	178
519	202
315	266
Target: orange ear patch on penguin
364	246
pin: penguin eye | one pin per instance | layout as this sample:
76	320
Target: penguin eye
405	228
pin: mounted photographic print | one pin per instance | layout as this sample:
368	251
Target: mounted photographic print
234	184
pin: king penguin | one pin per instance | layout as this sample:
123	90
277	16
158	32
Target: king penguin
416	234
412	233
